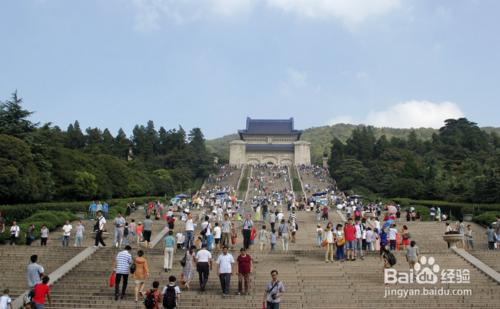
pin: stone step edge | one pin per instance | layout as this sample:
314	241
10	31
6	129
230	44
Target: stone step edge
60	272
488	271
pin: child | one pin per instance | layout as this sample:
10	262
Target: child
5	300
138	231
152	299
171	293
319	235
273	241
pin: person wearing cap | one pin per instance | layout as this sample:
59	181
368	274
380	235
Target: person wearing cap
225	263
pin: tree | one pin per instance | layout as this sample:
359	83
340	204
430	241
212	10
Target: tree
85	185
13	118
74	136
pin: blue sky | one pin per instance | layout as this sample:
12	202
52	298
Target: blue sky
212	63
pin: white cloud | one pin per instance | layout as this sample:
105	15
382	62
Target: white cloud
151	13
350	12
415	114
410	114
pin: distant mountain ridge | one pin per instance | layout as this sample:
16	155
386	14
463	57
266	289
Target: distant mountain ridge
321	138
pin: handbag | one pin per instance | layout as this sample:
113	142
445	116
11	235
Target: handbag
324	243
112	279
183	260
340	242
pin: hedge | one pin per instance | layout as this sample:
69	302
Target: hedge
486	218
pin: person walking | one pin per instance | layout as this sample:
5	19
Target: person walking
40	291
99	228
34	272
412	254
247	231
30	235
188	268
225	263
119	224
141	273
469	237
79	230
148	229
203	266
244	268
226	231
189	228
121	267
169	251
405	235
284	235
491	237
330	242
273	292
5	300
263	238
171	294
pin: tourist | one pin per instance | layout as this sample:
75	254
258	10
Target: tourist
412	254
273	292
490	234
40	291
293	228
30	234
225	263
139	232
171	294
206	232
405	235
497	231
217	235
99	207
234	236
189	228
92	209
388	258
67	227
370	239
79	230
319	235
169	251
432	214
148	228
44	235
263	238
244	270
105	209
153	296
393	232
272	220
121	267
99	228
283	233
469	237
119	224
34	272
5	300
132	230
14	233
328	236
339	242
203	265
247	230
188	267
141	273
273	240
179	237
350	239
226	231
2	223
126	233
360	230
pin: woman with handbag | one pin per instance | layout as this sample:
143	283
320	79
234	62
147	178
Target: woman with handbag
340	242
188	267
141	273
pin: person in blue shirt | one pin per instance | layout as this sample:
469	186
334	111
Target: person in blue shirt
169	251
105	209
383	241
92	209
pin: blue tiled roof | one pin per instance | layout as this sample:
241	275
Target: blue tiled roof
269	147
269	126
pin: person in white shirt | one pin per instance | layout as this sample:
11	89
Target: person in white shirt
66	233
359	239
217	235
393	231
14	233
5	300
225	263
179	237
189	227
203	265
80	229
99	229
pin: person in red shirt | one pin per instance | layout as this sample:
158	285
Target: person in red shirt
41	290
156	295
350	239
244	270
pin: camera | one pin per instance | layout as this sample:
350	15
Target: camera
274	296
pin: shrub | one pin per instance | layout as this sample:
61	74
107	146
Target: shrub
486	218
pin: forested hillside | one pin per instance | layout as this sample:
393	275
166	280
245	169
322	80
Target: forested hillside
460	162
42	162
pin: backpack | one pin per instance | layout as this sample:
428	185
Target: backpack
150	301
391	259
169	297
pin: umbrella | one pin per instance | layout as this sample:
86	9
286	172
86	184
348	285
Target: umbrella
181	196
388	223
319	193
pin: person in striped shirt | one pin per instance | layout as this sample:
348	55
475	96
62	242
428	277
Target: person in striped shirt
121	267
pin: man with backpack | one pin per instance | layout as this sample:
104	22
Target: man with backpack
171	294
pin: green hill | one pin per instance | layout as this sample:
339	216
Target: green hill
321	138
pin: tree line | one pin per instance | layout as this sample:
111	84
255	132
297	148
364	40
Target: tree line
460	162
42	162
